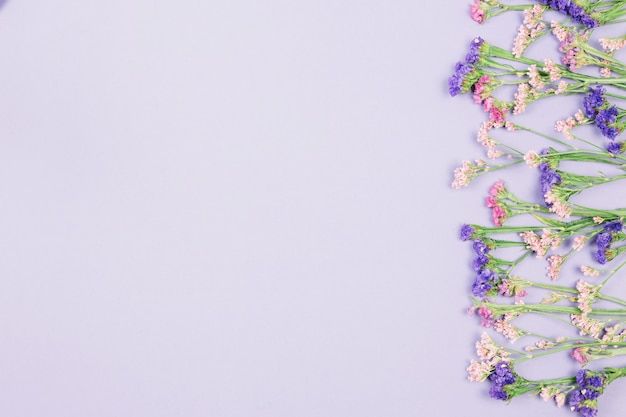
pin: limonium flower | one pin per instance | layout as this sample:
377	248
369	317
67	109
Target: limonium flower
554	223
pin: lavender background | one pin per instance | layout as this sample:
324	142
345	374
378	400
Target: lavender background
236	209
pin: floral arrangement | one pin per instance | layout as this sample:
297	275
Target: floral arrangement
552	255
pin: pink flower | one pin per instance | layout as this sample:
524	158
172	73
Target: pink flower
496	188
496	115
579	242
580	356
477	14
486	315
554	266
488	104
498	215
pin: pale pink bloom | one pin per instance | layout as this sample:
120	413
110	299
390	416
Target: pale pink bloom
486	349
532	159
586	325
533	242
598	220
544	344
612	44
494	153
580	116
554	266
564	126
579	242
559	31
535	78
504	326
478	371
589	271
464	174
605	72
558	206
521	98
552	69
550	240
586	294
561	209
510	126
611	336
561	87
546	394
521	41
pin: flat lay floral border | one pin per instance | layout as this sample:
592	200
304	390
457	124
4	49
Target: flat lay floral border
559	223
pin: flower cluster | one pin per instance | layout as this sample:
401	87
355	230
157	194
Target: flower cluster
573	10
501	377
584	399
560	224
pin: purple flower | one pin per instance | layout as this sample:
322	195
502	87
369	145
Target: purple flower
480	288
501	376
473	55
615	226
605	119
455	82
560	5
588	411
575	398
592	101
601	256
487	275
480	247
615	147
595	381
548	179
603	240
589	21
479	263
466	232
588	390
497	393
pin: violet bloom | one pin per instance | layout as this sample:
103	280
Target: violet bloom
593	101
614	226
589	389
604	240
480	262
455	82
480	247
548	179
615	147
605	119
466	232
480	288
473	55
501	377
601	256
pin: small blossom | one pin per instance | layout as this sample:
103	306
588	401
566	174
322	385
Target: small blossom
589	271
554	266
579	242
478	371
